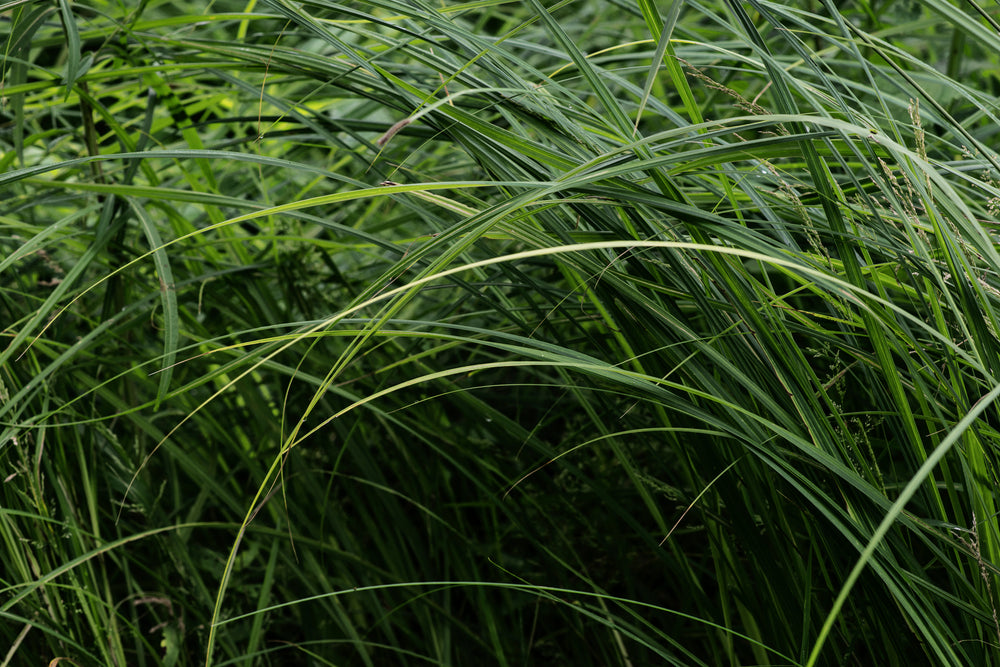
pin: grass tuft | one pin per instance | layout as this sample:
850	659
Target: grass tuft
578	333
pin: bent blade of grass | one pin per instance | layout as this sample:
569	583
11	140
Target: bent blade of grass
168	293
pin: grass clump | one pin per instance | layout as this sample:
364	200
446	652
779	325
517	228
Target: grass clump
591	333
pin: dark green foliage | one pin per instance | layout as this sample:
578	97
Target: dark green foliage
593	333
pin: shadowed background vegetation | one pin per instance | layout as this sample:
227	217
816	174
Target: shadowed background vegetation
592	332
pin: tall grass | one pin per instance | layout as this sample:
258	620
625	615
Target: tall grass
499	333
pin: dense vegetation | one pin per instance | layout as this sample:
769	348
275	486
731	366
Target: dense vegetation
598	332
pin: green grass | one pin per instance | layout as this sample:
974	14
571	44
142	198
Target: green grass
591	333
